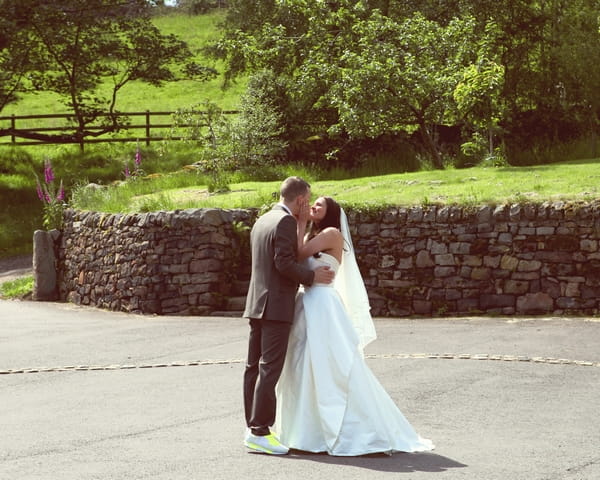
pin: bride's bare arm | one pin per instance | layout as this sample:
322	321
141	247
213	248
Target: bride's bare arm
329	240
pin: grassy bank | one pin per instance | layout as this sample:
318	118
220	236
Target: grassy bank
577	180
21	211
374	183
197	31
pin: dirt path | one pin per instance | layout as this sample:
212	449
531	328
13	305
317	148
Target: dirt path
15	267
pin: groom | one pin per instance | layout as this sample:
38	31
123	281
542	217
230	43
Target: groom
270	309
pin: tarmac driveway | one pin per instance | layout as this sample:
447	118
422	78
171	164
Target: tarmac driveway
90	394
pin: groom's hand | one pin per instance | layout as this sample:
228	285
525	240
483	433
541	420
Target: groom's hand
323	275
303	213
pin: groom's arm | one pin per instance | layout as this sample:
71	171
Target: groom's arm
286	248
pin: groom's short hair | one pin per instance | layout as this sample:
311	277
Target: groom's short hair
293	187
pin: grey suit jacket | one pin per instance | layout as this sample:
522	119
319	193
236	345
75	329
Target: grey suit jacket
276	273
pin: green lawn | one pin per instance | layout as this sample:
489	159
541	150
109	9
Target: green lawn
21	211
197	31
576	180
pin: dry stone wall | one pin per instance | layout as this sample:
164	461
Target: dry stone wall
178	263
506	259
426	260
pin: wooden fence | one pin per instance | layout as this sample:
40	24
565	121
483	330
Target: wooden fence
15	127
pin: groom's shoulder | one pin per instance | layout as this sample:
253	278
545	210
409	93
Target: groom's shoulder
276	212
273	217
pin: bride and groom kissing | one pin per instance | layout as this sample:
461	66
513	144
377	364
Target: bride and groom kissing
305	373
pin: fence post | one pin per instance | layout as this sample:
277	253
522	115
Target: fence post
12	127
147	128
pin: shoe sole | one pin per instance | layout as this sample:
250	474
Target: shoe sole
258	449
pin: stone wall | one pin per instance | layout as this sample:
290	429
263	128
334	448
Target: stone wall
507	259
179	263
432	260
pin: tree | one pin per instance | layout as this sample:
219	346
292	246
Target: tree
357	71
478	98
15	55
369	67
400	77
549	52
478	95
79	45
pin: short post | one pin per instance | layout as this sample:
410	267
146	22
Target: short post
45	285
147	128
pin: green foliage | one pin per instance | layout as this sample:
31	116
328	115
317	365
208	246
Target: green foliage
156	203
209	129
199	7
16	161
52	195
78	46
250	142
365	68
478	98
18	288
412	65
256	136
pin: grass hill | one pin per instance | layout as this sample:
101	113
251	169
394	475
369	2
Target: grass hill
197	31
21	210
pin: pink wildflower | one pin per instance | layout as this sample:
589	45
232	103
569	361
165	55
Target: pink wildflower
61	193
40	192
138	156
48	173
126	172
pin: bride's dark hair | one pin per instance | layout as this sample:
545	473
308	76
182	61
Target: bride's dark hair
331	218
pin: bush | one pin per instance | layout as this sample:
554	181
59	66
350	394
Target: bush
16	161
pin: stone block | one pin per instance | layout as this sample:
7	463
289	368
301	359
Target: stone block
467	305
445	259
422	307
588	245
205	265
424	259
441	272
471	260
491	301
509	263
516	287
45	286
529	265
387	261
539	302
437	248
484	214
565	243
405	263
481	273
460	248
415	214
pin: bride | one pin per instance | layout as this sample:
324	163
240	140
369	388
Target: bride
328	398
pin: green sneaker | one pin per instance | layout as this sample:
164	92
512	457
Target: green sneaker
269	444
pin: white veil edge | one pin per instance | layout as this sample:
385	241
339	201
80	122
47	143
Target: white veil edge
350	285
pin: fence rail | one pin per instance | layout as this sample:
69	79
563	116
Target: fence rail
9	127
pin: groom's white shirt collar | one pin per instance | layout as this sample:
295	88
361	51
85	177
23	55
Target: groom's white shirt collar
285	207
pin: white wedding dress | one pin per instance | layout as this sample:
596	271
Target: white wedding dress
328	400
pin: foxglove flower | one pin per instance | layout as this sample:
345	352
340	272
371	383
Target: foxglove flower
138	157
39	190
48	173
61	193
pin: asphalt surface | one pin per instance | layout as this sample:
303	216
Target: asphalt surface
12	268
91	394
